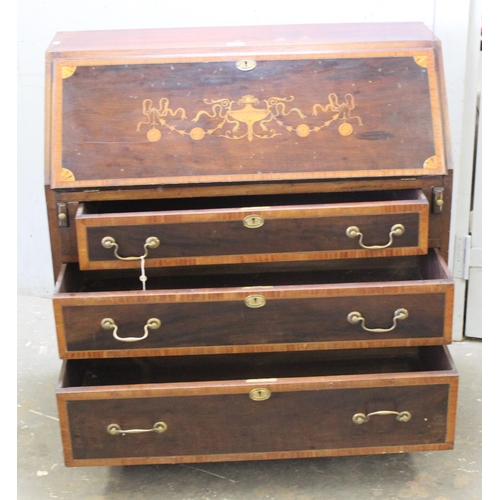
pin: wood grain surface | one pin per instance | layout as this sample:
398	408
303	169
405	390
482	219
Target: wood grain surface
311	226
309	314
384	99
161	133
235	427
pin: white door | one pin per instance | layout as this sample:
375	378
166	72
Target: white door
473	310
465	230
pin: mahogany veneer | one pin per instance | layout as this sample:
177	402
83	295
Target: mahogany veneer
249	232
309	412
207	314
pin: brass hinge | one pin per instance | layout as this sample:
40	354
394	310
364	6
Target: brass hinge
461	262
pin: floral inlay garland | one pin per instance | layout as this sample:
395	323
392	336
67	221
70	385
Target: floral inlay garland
248	118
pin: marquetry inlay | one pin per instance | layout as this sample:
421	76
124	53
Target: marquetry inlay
249	118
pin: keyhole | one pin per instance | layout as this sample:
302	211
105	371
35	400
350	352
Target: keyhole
246	64
253	221
260	394
255	301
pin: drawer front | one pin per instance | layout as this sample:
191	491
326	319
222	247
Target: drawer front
287	321
351	230
313	116
238	420
296	317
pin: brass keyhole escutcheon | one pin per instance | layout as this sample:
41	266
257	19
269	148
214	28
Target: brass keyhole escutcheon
260	394
255	301
253	221
246	64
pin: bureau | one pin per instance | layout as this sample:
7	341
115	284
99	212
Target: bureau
249	231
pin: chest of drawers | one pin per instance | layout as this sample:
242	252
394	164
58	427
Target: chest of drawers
249	231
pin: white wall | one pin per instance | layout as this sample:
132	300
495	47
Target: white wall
39	20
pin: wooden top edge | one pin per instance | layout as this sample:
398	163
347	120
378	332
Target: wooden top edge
240	37
226	179
238	186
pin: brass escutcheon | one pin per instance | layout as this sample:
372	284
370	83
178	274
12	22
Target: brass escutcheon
260	394
255	301
253	221
246	64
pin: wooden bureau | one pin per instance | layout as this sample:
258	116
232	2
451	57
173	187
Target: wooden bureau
249	232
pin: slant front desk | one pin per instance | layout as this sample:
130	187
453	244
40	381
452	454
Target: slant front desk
249	231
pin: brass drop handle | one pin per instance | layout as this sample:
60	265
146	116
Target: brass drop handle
396	230
110	242
109	324
361	418
115	429
355	317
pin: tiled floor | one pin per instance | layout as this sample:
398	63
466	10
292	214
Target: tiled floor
445	475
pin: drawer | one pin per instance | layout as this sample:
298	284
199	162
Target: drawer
243	407
274	228
353	303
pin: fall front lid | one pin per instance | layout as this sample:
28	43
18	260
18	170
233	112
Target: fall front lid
247	119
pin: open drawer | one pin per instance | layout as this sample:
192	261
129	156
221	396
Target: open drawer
220	230
305	306
244	406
